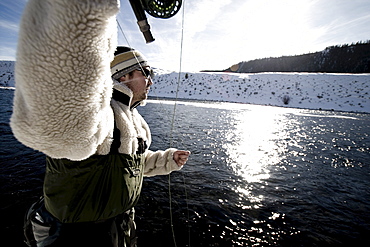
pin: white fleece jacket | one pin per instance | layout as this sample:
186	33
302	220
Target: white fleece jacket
62	103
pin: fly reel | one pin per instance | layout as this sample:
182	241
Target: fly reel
157	8
162	8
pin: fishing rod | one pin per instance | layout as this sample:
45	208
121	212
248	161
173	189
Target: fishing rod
163	9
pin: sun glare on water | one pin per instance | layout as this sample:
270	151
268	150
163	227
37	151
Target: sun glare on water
251	146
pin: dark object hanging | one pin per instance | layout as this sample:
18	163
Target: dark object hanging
157	8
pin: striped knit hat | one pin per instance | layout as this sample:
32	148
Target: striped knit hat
126	60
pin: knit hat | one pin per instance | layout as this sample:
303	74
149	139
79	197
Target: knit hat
125	60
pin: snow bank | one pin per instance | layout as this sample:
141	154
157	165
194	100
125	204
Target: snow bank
7	73
339	92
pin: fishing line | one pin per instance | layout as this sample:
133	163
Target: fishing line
172	126
128	43
172	123
171	134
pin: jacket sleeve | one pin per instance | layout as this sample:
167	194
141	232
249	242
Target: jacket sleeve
63	83
160	163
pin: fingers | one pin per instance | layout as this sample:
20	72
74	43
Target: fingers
181	157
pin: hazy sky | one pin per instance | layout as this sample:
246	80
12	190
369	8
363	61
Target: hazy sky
220	33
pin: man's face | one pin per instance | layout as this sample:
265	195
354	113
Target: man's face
139	84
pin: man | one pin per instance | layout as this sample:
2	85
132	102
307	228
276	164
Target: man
79	108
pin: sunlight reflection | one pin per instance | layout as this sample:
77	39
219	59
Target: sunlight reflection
251	145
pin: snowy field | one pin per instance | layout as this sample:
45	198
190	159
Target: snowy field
339	92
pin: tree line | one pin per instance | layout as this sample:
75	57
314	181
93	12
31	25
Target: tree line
347	58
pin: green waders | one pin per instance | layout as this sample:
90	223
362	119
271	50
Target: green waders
87	203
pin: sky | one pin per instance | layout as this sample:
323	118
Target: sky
214	35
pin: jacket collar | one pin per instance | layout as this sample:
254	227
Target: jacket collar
121	97
123	94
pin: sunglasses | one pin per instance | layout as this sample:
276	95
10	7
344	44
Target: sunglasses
147	72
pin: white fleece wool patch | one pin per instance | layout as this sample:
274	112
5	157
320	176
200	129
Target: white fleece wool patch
63	84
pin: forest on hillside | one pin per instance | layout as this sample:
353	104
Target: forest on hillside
347	58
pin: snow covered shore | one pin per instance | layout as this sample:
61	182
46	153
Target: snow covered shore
339	92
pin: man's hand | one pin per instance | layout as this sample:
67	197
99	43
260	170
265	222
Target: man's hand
180	157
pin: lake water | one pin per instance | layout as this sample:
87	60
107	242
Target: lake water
257	176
